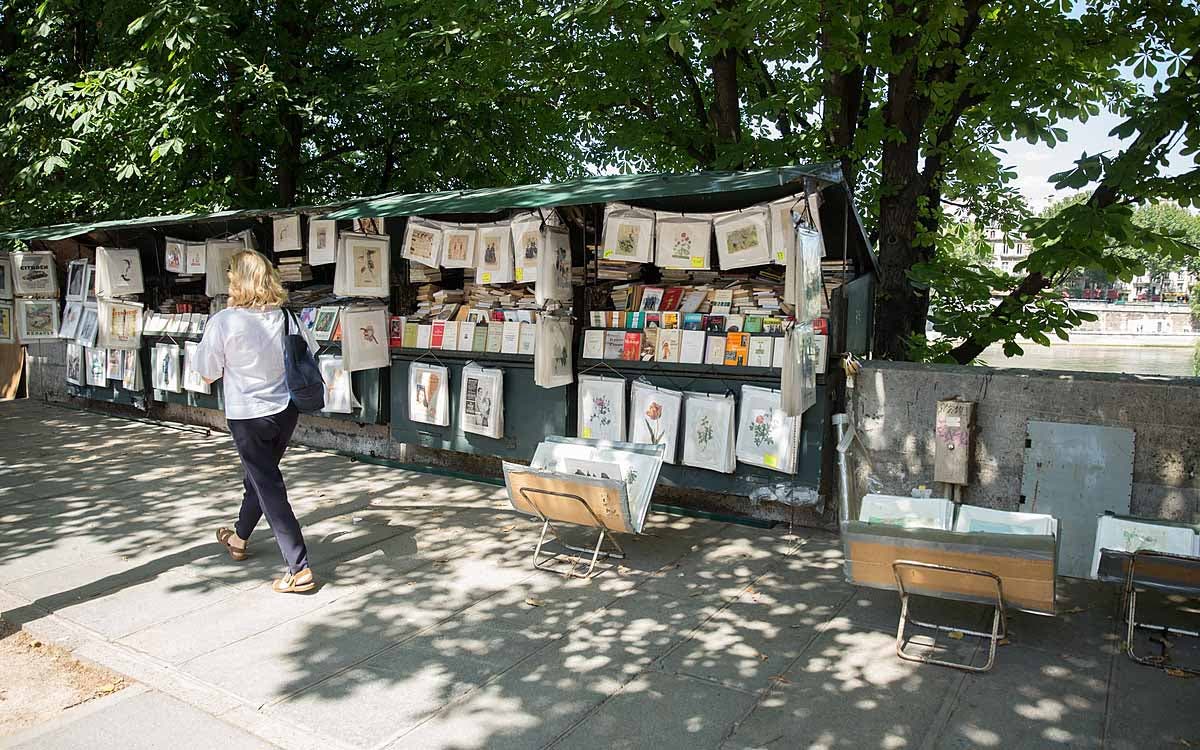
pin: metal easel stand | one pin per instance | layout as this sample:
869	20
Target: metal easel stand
999	621
1132	624
596	552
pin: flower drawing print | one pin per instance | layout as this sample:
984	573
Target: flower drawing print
760	428
704	432
683	246
628	237
601	411
654	413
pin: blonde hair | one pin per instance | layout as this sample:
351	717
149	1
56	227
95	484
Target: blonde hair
254	282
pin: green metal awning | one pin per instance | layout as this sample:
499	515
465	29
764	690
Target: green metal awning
776	182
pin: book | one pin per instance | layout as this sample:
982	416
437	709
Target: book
614	319
598	320
410	336
424	336
479	342
636	320
693	322
671	298
395	331
761	351
714	353
614	344
466	335
437	338
450	337
691	347
772	325
693	300
737	348
668	345
632	348
652	297
715	324
527	338
723	302
495	338
670	320
754	324
649	344
779	353
593	344
735	323
821	347
511	337
652	320
821	326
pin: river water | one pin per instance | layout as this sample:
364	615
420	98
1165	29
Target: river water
1140	360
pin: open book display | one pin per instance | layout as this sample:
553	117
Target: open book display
593	483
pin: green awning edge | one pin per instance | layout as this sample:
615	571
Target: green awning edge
600	189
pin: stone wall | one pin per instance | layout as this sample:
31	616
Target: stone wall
893	407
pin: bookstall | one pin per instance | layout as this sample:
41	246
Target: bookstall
680	317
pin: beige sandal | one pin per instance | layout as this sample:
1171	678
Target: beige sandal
223	536
295	583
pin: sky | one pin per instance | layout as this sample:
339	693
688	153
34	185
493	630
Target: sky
1035	163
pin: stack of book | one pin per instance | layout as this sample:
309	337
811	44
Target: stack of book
618	271
293	269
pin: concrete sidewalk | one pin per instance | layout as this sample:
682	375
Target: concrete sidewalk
432	630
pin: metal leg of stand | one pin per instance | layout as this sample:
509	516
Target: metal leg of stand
1132	623
999	620
596	552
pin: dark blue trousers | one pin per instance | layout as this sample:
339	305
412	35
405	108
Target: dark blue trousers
261	443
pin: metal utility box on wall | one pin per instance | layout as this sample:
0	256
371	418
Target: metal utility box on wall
952	436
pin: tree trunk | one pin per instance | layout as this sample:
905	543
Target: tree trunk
726	103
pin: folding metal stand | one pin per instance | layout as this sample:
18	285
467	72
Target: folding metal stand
1130	595
999	621
596	552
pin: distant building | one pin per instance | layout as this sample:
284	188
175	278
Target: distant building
1008	248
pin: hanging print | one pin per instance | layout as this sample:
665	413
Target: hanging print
765	435
683	240
114	369
285	234
89	326
191	379
482	401
528	241
131	380
174	255
654	417
77	280
34	274
70	322
554	267
322	242
362	267
628	233
339	395
120	324
552	351
422	242
194	262
118	272
601	408
97	362
7	331
166	375
218	257
75	364
494	255
6	278
708	426
742	238
37	319
428	394
458	246
364	339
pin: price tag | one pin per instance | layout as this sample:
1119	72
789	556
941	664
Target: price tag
486	277
520	274
770	460
587	432
697	262
608	253
781	258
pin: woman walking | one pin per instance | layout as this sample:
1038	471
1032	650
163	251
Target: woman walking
243	344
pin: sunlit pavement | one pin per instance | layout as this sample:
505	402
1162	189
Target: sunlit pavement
431	630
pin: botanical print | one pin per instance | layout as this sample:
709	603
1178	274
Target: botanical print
38	319
6	324
766	436
681	249
601	408
75	364
115	367
600	413
703	433
654	424
628	238
744	238
762	424
654	417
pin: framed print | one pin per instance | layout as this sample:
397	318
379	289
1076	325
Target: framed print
528	241
326	321
37	319
120	324
803	275
766	436
601	408
114	368
218	255
428	394
131	379
165	373
89	326
75	364
34	274
628	233
481	401
362	266
285	234
97	365
458	246
118	272
554	267
369	226
6	278
683	240
191	379
77	280
174	255
742	238
365	339
552	351
783	217
70	320
422	242
7	324
708	432
339	396
194	261
654	417
322	242
493	254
